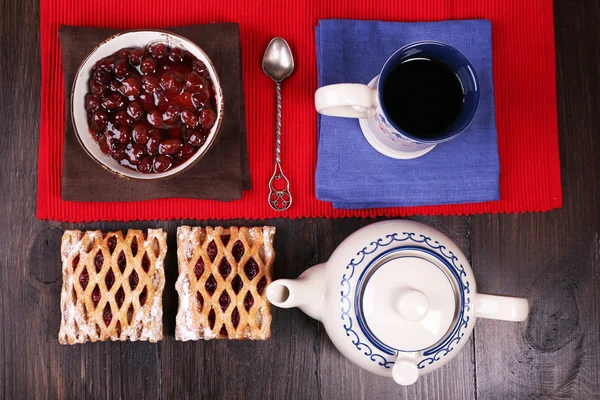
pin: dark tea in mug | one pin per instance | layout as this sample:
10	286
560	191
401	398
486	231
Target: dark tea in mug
424	97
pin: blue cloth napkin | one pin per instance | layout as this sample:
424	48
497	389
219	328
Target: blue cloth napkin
353	175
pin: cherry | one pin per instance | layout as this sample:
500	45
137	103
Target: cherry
162	163
170	146
123	53
189	118
84	278
248	301
102	77
224	268
235	318
159	97
131	86
160	134
152	145
158	50
120	298
102	142
134	246
111	243
145	263
121	261
210	285
260	286
224	300
148	65
237	284
147	101
176	55
135	152
97	88
211	250
187	151
200	68
195	83
139	132
118	152
155	118
171	83
134	279
92	103
99	120
185	99
105	64
225	239
171	115
223	330
150	83
176	132
211	319
200	100
114	85
251	269
195	138
113	101
96	295
207	118
145	165
109	279
143	296
107	314
135	56
121	68
121	134
123	118
238	250
135	110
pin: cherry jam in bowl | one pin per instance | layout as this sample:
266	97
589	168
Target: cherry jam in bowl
147	104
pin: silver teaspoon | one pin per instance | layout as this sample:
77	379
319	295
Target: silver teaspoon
278	64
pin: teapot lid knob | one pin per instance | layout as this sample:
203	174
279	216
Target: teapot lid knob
405	372
412	305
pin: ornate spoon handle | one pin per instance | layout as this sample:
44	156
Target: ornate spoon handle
280	198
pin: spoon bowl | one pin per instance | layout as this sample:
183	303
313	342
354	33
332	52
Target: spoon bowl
278	62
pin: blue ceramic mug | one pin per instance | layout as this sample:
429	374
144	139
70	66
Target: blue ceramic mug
366	102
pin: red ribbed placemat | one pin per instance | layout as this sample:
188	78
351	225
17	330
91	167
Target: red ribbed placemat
525	96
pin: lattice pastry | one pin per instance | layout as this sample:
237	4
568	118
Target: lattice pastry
112	286
223	274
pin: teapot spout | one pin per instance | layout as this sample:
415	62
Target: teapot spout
307	292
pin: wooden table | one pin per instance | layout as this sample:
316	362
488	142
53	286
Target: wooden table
551	258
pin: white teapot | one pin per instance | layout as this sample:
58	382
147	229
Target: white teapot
397	298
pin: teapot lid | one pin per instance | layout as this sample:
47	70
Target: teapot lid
406	302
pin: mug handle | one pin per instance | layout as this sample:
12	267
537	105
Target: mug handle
350	100
503	308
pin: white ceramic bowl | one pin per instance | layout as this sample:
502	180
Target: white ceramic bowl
137	38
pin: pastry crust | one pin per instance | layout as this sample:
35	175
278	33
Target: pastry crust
92	274
233	306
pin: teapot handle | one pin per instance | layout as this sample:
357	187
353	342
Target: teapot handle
501	307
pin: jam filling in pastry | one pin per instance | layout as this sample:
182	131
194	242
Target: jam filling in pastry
223	275
112	286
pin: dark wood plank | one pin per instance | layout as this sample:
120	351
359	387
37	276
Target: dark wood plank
551	258
339	378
